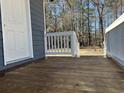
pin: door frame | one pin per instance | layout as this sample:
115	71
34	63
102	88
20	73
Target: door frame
45	38
29	26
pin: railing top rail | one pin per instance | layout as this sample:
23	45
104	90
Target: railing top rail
60	33
116	23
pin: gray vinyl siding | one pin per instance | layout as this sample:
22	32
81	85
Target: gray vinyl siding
37	19
1	45
115	46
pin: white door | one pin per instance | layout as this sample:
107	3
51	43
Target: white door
15	30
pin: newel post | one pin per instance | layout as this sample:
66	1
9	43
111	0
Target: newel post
74	45
105	45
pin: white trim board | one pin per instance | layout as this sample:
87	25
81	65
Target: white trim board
45	37
29	33
116	23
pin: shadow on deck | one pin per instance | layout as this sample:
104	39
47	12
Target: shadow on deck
65	75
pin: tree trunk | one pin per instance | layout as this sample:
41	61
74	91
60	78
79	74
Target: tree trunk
55	24
121	7
95	33
102	28
89	34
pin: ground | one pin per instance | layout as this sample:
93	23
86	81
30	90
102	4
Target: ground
91	51
87	74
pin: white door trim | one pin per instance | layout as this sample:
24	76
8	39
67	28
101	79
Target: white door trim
30	28
45	38
28	15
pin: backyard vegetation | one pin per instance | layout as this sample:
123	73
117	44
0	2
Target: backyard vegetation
88	18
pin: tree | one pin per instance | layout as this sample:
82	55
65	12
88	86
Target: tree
88	22
100	9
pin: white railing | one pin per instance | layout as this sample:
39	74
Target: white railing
114	40
62	44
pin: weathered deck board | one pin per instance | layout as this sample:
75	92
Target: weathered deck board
65	75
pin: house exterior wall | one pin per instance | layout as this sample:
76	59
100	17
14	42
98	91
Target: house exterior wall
37	22
115	40
1	45
37	18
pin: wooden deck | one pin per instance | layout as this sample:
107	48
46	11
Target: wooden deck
65	75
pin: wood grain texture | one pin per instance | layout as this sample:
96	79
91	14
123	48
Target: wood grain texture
65	75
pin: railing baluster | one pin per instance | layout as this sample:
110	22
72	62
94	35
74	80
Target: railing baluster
58	43
55	43
61	43
64	44
52	44
67	43
49	43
